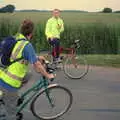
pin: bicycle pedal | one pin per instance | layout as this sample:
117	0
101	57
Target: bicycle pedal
20	101
61	57
19	116
76	57
56	62
59	61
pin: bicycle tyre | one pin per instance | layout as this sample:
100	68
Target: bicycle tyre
77	72
51	88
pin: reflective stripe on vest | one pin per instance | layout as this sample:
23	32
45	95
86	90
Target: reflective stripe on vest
9	80
13	76
14	54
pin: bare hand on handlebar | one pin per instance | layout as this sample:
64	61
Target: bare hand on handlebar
44	68
51	76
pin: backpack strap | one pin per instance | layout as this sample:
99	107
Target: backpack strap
16	60
21	39
13	56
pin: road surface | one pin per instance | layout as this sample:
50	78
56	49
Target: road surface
96	96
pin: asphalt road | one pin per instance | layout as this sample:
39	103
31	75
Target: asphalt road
96	96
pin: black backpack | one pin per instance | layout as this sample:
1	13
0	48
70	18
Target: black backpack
6	47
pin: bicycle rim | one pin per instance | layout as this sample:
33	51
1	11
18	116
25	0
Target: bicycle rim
76	67
61	99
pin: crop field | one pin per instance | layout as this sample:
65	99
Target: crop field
70	18
99	32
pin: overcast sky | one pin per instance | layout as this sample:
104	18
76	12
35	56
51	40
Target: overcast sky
87	5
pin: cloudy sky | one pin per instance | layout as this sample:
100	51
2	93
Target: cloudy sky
88	5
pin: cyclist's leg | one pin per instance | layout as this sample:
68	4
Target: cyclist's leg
53	50
10	100
56	47
3	112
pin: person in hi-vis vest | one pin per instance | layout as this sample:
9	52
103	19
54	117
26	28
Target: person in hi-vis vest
54	27
11	78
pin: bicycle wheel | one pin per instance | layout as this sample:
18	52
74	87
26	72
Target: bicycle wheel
58	102
76	67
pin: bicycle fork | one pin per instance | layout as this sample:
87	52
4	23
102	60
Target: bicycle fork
74	58
47	92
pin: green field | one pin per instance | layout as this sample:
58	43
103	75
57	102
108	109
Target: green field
70	18
104	60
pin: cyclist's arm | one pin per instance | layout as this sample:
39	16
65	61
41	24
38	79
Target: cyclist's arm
62	26
48	29
30	56
39	68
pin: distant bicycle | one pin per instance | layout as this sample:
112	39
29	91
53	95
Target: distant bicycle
75	66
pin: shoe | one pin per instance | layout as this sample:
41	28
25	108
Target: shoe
61	57
58	60
19	116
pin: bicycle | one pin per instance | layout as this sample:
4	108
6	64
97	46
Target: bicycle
74	66
44	89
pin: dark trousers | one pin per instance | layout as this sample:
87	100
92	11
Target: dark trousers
9	108
56	47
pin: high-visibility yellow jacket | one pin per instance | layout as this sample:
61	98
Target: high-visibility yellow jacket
52	27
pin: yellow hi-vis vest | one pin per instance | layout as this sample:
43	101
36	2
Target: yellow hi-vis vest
14	74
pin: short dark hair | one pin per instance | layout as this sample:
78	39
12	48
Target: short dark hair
56	10
27	27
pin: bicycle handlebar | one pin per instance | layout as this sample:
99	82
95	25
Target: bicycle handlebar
76	44
49	70
76	41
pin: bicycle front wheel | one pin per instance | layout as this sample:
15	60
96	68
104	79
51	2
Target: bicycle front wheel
76	67
51	103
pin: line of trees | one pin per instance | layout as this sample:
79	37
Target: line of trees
109	10
7	9
11	8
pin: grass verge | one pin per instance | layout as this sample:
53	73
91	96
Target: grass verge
104	60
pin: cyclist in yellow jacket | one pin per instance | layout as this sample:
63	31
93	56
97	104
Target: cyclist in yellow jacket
11	78
54	27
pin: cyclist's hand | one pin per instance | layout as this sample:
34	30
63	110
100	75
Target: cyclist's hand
41	59
51	76
59	26
52	38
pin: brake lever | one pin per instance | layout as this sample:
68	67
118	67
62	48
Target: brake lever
76	41
50	70
52	79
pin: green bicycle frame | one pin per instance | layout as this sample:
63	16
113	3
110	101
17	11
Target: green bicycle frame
42	83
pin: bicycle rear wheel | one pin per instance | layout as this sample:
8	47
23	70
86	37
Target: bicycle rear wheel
76	67
55	104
